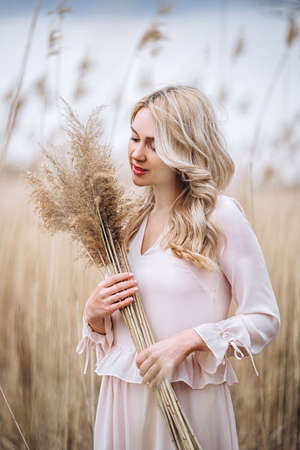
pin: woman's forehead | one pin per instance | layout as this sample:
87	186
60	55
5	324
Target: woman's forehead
143	123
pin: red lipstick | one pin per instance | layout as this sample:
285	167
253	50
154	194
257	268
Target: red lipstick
138	170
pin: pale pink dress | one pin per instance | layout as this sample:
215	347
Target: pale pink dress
177	295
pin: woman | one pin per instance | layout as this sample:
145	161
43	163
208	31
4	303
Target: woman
191	249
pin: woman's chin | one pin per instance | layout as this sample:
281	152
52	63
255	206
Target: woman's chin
139	181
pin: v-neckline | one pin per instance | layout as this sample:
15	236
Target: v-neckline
142	234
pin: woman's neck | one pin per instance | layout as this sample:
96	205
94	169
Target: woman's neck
165	196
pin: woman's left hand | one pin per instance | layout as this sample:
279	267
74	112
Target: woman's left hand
160	359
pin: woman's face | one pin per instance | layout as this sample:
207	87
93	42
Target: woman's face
141	153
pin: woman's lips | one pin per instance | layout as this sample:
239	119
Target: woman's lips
138	170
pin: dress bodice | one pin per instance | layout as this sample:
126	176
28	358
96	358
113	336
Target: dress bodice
178	295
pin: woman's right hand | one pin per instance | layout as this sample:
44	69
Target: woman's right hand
111	294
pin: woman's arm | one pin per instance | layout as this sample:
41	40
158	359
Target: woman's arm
255	323
257	320
98	338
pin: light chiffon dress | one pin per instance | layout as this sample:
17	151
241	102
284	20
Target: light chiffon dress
178	295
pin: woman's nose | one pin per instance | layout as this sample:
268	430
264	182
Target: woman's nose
139	151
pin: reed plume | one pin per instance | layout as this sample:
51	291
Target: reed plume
72	179
78	191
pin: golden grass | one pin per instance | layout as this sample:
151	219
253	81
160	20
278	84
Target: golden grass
42	295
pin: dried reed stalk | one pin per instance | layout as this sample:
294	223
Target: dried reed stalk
78	192
14	418
15	103
292	35
152	35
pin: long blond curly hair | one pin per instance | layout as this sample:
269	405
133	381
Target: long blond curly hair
187	138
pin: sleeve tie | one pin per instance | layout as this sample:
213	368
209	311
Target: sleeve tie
85	344
237	351
102	343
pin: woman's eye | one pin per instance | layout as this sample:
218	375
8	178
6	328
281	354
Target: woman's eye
153	148
137	139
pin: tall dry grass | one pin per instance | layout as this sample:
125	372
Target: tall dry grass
267	407
42	295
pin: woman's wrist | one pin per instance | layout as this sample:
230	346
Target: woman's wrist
97	326
193	341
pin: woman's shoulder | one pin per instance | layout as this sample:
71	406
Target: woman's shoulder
227	210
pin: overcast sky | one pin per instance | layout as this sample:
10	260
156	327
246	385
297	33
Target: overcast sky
130	7
201	36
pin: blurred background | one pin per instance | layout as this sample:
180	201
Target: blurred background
245	56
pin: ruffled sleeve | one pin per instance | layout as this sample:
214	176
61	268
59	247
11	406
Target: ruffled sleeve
90	339
257	320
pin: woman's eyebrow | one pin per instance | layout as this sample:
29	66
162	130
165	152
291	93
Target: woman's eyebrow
147	137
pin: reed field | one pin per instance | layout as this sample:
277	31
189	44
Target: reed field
43	292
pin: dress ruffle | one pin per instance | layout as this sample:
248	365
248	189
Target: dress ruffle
197	370
121	363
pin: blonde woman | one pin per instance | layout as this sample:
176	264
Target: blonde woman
191	250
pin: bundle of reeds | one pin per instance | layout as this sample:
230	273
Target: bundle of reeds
77	191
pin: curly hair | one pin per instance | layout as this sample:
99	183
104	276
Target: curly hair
187	138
